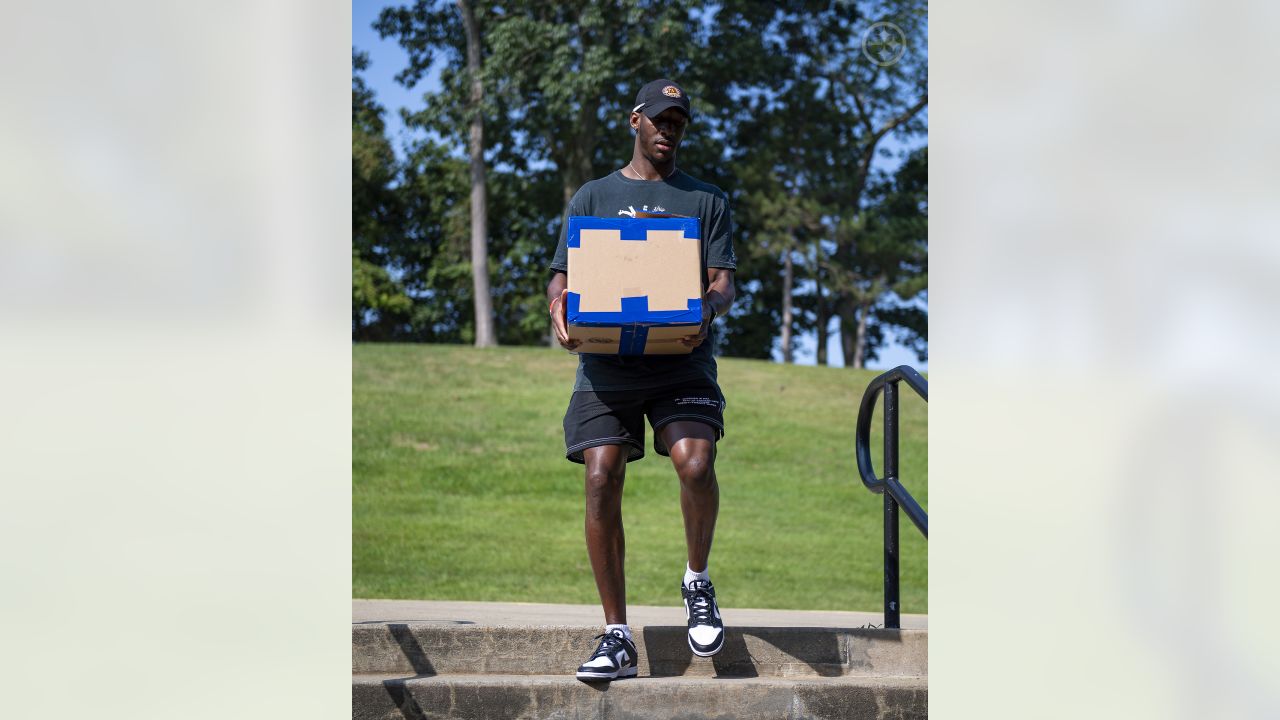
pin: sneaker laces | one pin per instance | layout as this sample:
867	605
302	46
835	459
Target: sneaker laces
608	643
699	603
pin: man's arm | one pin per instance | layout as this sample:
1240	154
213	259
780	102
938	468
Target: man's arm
720	291
557	292
715	302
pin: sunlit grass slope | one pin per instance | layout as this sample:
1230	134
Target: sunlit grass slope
461	490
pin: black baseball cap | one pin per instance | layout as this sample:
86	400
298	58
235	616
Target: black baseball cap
659	95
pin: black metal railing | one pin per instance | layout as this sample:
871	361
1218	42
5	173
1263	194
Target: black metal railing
895	495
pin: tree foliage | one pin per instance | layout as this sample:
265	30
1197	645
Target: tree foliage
790	120
377	300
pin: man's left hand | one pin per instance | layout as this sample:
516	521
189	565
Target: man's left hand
708	314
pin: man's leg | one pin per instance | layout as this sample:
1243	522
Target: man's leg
606	469
603	431
692	446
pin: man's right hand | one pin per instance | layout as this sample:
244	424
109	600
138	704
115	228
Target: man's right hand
559	322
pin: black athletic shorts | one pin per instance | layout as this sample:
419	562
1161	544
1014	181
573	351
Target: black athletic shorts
617	418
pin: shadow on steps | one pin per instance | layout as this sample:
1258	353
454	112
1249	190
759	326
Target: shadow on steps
820	651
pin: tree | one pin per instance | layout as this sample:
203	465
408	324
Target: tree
895	251
575	67
790	118
377	300
479	200
557	84
782	217
432	253
878	99
778	161
837	104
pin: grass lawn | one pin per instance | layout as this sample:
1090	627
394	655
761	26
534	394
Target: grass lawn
460	489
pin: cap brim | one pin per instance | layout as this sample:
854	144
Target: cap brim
655	109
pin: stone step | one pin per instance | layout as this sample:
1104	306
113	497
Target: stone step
562	697
439	648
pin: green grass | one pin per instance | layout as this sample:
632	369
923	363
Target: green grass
461	490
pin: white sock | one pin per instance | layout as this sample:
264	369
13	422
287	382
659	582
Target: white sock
626	630
690	575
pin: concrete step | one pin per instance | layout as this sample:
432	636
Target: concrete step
562	697
435	648
436	659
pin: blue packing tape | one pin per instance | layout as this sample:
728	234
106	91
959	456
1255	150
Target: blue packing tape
634	310
633	339
629	228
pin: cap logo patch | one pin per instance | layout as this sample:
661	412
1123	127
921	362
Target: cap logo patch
671	91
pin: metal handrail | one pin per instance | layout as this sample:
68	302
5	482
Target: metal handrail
895	495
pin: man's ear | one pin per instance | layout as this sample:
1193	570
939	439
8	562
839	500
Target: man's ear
635	121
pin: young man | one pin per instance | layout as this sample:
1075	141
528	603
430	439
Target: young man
604	425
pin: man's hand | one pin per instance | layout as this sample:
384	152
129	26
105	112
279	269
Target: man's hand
559	322
719	291
708	314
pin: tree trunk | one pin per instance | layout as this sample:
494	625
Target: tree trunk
572	177
574	159
787	274
848	329
576	144
824	318
479	196
860	340
574	162
580	170
570	186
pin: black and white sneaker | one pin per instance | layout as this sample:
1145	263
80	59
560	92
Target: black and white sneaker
706	631
615	658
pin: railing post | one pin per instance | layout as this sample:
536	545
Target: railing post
891	605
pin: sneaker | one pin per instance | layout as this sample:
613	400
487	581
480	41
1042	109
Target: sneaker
706	631
615	658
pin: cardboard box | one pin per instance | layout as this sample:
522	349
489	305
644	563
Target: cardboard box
634	284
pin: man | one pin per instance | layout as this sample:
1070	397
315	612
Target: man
604	424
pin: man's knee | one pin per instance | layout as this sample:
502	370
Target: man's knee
696	469
604	482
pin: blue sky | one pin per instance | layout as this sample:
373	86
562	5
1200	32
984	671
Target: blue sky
386	58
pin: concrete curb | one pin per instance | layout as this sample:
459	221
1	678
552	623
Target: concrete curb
434	649
380	697
428	659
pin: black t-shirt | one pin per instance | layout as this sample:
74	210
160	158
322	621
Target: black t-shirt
617	195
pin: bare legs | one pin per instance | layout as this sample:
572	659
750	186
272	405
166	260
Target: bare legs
606	469
693	451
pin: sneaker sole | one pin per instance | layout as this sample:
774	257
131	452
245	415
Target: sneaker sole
623	673
707	653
